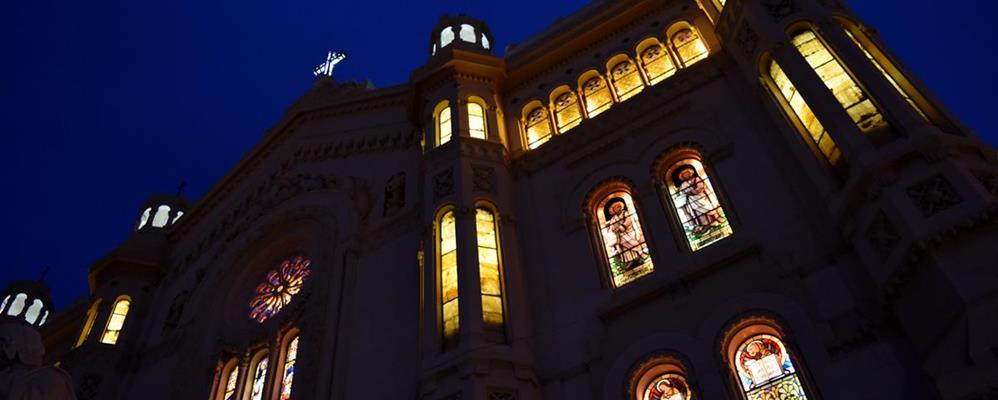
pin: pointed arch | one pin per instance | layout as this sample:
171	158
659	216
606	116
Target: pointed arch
490	267
446	229
595	93
88	324
655	60
619	234
34	311
686	43
144	218
115	321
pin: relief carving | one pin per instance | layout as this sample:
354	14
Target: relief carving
443	183
394	194
747	39
483	179
933	195
882	235
778	9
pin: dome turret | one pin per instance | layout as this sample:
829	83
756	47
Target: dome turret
27	300
460	32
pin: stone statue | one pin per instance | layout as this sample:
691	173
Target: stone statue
22	376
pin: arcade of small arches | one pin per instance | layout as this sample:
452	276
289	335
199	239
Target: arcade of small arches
465	32
159	218
35	314
269	374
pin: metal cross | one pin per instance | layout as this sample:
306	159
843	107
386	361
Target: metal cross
326	68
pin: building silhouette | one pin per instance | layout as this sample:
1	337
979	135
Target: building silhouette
650	199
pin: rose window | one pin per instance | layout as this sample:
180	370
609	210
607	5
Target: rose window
279	288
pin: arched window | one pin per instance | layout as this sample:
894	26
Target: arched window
116	321
34	311
88	325
766	369
446	36
886	75
442	117
688	46
144	218
162	216
447	249
566	111
489	267
623	240
485	42
696	203
288	375
538	127
856	102
626	80
596	95
476	118
175	218
467	33
807	122
229	381
656	62
259	377
18	304
6	299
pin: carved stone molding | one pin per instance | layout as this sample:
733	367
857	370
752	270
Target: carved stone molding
882	235
443	183
933	195
779	9
747	39
483	179
394	194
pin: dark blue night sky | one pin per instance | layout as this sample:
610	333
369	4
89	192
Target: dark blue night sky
106	102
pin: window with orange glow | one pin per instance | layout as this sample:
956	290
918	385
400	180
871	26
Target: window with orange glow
657	63
447	233
567	112
538	127
688	46
626	80
804	115
489	271
116	321
597	96
476	120
886	75
623	239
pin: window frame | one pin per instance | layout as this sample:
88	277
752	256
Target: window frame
447	342
526	112
673	31
657	364
585	78
501	330
110	316
441	106
253	367
478	101
641	48
750	326
88	324
663	167
595	197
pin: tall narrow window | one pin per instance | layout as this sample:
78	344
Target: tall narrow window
5	300
476	119
696	204
597	96
660	377
626	80
229	392
18	304
566	111
116	321
288	377
805	116
448	276
446	36
259	379
144	218
538	128
622	237
766	369
887	76
856	102
719	4
688	46
443	123
162	216
489	271
34	311
88	325
657	63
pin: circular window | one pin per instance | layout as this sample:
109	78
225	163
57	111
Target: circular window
279	288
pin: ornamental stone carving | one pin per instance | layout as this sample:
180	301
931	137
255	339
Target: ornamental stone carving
443	183
882	235
778	9
483	179
933	195
394	194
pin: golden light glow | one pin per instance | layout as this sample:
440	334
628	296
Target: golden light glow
814	129
538	128
657	64
597	96
855	101
488	267
719	4
115	322
448	274
476	120
230	384
886	75
567	111
689	47
626	80
88	325
443	126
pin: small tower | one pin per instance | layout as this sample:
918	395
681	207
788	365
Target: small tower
27	300
460	32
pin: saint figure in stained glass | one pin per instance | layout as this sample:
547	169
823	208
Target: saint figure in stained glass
703	218
668	387
766	370
623	239
290	358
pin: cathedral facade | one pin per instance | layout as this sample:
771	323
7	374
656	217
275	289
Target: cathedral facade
649	200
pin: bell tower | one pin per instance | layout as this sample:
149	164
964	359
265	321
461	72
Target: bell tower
473	296
904	183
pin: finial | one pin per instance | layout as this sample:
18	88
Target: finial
45	272
332	58
180	187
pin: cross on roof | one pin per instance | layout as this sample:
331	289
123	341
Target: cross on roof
326	68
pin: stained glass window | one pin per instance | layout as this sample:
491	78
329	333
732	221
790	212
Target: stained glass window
290	357
448	275
259	379
476	120
697	205
443	126
623	239
488	267
567	111
597	96
626	80
279	287
657	63
88	325
886	75
115	321
857	104
766	370
688	47
230	384
669	386
538	128
815	131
